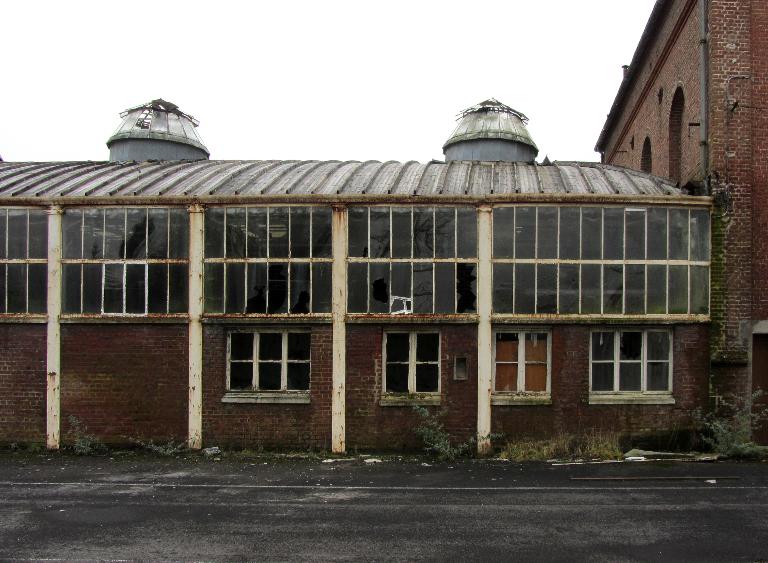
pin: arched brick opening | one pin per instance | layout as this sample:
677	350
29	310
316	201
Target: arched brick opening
646	160
675	134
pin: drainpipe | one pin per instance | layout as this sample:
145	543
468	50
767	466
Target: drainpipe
704	81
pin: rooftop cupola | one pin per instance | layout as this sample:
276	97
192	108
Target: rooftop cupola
491	131
157	130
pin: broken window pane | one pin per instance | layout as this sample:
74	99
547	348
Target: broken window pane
235	298
678	234
240	375
71	232
269	376
157	288
298	345
278	232
591	233
657	290
401	232
70	289
397	378
503	232
298	376
270	346
322	236
321	287
423	232
699	290
379	296
300	296
17	234
401	284
613	233
379	243
445	288
445	232
466	288
358	232
503	287
357	287
546	278
114	234
178	244
591	294
300	224
422	287
657	234
678	290
525	288
700	234
427	347
569	289
635	244
427	378
235	233
613	289
546	229
135	288
277	294
570	219
214	288
397	347
466	227
525	232
634	293
92	290
157	230
241	346
256	298
93	233
602	346
256	246
631	346
113	288
136	229
178	297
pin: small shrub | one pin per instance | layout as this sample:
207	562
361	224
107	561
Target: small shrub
84	443
728	430
437	440
167	449
596	444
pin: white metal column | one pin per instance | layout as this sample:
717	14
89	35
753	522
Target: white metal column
196	242
484	329
53	331
339	308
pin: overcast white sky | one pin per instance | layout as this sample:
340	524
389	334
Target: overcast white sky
311	80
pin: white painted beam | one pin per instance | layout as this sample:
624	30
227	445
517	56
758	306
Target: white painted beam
196	245
339	310
484	329
53	331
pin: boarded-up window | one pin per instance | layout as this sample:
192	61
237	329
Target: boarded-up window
521	362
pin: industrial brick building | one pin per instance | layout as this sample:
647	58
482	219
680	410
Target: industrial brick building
692	107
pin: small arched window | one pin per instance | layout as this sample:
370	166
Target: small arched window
675	134
646	160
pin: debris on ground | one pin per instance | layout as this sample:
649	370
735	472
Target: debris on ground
372	460
212	451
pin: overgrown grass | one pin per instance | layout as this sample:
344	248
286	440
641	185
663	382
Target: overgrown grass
84	443
438	442
596	444
167	449
728	430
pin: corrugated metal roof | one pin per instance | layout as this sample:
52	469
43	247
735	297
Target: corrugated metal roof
211	178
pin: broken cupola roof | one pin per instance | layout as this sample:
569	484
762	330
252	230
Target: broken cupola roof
491	131
157	130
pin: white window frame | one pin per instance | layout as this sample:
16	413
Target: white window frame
255	361
412	363
521	363
644	394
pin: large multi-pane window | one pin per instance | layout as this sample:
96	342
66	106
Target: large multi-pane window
268	260
600	260
23	261
412	260
631	361
125	261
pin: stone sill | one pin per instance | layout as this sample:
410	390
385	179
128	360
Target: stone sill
631	399
406	400
519	399
262	397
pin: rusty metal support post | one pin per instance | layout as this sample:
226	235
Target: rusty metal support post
339	308
484	329
53	331
196	242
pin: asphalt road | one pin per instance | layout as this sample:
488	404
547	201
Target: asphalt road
137	507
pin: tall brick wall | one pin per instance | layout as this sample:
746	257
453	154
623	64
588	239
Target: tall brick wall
372	426
273	426
22	383
571	412
125	382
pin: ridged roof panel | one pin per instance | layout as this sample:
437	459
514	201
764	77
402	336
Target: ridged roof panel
210	178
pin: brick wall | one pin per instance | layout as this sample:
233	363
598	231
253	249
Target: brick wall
371	426
22	383
273	426
570	411
125	381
